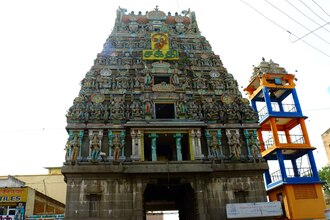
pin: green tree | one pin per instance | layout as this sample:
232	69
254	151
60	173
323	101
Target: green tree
324	174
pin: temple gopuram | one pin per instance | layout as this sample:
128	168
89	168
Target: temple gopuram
159	124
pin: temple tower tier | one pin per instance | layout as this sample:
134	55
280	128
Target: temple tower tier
292	178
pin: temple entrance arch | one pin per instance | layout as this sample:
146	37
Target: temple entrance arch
165	194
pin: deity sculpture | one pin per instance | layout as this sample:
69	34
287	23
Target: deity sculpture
147	79
95	148
72	147
214	147
175	78
116	145
252	143
234	145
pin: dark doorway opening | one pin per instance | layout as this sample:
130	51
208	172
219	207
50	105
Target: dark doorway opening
171	194
161	79
165	111
166	147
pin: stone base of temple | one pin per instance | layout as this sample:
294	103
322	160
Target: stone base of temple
197	189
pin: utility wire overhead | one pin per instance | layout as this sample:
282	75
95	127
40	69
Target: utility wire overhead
266	17
306	15
296	21
321	8
313	11
315	48
310	32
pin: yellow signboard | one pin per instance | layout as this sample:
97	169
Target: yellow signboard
160	49
13	195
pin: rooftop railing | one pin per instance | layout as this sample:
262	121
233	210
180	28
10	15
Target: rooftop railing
276	108
295	139
302	172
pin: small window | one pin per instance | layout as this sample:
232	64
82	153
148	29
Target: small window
11	211
161	79
165	111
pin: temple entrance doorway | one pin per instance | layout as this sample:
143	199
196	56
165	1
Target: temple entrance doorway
168	197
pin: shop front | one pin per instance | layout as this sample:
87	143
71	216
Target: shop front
13	203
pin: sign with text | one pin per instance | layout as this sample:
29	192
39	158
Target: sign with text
13	195
46	217
250	210
160	55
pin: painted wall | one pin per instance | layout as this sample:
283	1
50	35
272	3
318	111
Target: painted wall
304	201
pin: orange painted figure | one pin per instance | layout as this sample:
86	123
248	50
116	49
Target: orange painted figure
117	147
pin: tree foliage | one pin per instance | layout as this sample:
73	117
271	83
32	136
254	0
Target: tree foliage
324	175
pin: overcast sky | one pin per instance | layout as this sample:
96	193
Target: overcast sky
46	48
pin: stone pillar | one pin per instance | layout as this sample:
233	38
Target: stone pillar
178	146
139	140
192	144
122	140
208	141
136	144
199	146
195	136
110	136
80	135
153	146
219	144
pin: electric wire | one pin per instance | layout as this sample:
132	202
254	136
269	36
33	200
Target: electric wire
297	21
279	26
266	17
312	11
307	16
321	8
310	32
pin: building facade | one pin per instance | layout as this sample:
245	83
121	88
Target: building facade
51	184
159	124
18	201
